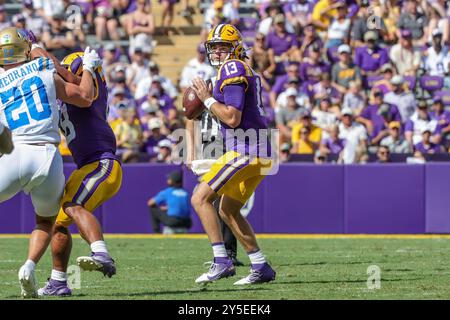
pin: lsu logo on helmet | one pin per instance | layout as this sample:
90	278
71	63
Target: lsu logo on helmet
225	34
14	46
74	63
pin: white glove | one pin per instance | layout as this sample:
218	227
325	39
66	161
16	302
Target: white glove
35	45
202	166
91	60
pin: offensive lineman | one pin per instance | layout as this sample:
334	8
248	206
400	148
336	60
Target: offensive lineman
98	178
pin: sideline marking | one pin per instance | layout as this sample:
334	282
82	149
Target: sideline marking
259	236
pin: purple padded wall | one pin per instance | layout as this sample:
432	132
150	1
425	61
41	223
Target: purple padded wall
305	198
437	186
385	198
301	198
127	212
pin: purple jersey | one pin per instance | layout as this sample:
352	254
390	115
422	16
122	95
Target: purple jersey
281	44
335	146
371	60
443	119
429	148
236	72
311	73
381	116
88	134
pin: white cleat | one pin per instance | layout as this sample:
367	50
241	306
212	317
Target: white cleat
27	283
98	262
88	264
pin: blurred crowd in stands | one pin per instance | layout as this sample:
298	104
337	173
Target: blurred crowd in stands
350	81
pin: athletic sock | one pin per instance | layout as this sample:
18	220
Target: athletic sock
99	246
257	257
58	275
220	253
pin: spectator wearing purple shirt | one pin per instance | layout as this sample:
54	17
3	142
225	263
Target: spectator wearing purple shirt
442	116
281	44
157	96
371	57
426	146
376	117
333	144
324	89
312	67
151	145
385	84
281	82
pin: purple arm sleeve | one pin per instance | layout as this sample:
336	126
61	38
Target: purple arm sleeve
234	95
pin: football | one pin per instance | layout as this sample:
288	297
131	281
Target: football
193	107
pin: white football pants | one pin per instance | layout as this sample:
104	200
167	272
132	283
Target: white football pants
36	170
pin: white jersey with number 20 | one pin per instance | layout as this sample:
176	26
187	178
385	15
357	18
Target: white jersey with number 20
28	102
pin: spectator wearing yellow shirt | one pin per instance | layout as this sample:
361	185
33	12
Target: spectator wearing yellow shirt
306	137
129	135
324	12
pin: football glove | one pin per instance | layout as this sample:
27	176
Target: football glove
91	60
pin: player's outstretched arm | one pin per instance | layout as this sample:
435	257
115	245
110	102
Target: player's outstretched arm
82	95
6	144
63	72
79	95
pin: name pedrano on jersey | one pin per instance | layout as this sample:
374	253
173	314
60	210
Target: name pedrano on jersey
28	102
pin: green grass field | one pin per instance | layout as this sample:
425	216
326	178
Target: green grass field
312	268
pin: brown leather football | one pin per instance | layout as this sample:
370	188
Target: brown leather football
193	107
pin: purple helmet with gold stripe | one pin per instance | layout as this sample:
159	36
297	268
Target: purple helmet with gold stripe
74	63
